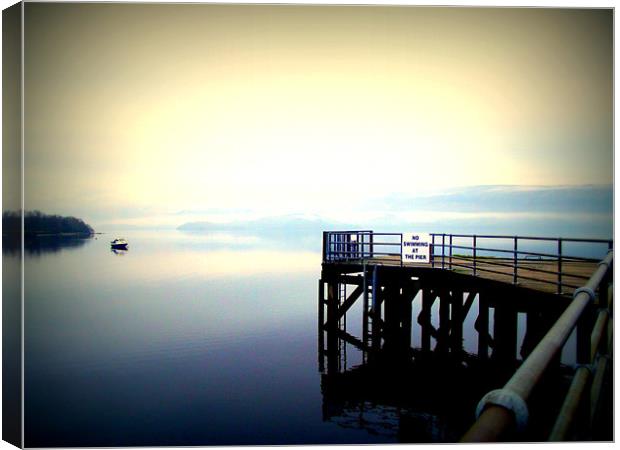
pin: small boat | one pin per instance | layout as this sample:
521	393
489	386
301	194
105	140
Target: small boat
119	243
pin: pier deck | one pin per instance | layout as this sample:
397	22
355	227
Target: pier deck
541	275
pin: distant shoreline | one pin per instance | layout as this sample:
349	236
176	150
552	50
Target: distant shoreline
31	234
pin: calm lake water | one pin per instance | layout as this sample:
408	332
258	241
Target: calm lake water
182	340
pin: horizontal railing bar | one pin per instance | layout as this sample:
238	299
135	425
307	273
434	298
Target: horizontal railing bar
372	243
483	261
483	269
523	268
331	241
353	252
510	274
518	252
598	331
572	275
597	384
540	280
348	231
483	236
464	247
525	238
361	233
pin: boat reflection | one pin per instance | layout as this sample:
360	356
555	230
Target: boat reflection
119	251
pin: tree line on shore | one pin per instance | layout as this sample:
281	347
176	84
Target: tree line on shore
36	222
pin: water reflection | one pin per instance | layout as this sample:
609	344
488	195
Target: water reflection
411	357
119	251
38	245
173	344
424	397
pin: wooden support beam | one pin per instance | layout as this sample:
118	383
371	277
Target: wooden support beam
469	301
365	317
332	339
349	302
482	326
391	315
424	318
321	321
406	311
375	313
505	333
355	280
456	320
445	299
352	340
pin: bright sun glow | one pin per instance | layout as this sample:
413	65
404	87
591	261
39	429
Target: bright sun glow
289	108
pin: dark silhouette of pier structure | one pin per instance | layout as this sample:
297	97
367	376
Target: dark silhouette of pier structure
392	337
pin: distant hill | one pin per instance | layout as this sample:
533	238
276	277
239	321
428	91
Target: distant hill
288	224
566	211
38	223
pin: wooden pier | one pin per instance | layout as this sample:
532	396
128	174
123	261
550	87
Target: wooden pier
515	302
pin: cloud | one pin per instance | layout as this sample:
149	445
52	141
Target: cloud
500	199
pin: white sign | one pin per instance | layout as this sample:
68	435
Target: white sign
416	248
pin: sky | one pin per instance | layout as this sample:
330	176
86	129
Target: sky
136	112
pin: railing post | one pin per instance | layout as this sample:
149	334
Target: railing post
443	250
450	264
474	246
335	240
560	266
433	250
585	324
401	249
325	238
515	275
371	246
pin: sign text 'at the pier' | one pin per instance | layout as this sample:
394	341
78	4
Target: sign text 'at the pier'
416	247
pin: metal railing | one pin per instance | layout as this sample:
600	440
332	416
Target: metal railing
506	409
515	258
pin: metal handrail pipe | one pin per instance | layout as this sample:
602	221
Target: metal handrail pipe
465	247
381	243
552	257
572	275
523	381
527	238
366	233
531	371
348	252
483	260
481	269
550	272
524	252
599	329
349	231
569	409
597	385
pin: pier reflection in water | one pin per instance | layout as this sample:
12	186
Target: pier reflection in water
413	362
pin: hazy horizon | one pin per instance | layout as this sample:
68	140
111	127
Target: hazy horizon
136	112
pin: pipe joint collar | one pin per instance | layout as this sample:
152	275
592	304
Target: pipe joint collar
506	399
587	290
